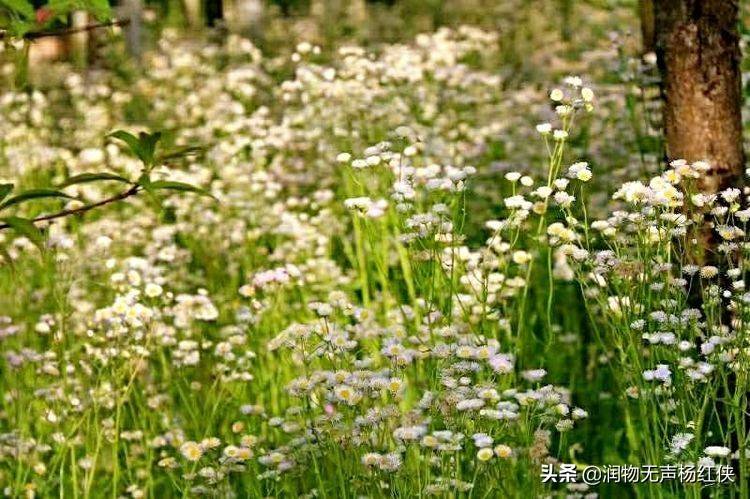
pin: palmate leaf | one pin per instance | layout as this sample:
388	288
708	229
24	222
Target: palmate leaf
33	194
178	186
25	227
84	178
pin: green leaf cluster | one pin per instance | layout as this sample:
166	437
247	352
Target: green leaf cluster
143	146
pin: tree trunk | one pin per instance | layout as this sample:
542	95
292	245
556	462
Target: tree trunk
79	41
648	27
699	59
357	13
244	17
194	13
699	56
133	11
214	13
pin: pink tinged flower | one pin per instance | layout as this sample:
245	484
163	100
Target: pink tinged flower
501	363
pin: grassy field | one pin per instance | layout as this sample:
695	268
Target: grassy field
436	260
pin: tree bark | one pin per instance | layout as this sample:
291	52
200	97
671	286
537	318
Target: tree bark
194	13
133	11
79	40
699	60
648	26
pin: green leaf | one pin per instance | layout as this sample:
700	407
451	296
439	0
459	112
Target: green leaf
18	27
148	144
144	180
26	227
22	7
181	153
33	194
84	178
179	186
131	141
100	9
5	189
143	146
151	196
